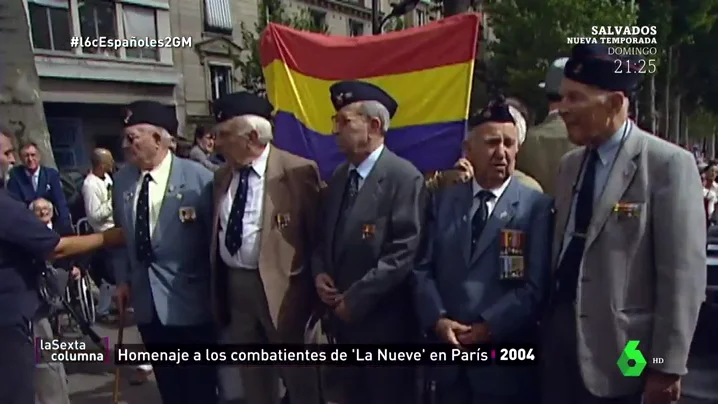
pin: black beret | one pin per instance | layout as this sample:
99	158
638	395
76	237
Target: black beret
241	103
152	113
496	111
593	65
347	92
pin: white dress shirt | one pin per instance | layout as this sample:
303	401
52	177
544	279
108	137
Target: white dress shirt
365	167
491	204
157	189
96	192
248	255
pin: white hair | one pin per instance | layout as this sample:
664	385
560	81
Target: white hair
41	200
258	124
165	136
375	109
520	123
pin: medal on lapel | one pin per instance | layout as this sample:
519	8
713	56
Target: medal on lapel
187	214
512	254
626	210
282	220
367	231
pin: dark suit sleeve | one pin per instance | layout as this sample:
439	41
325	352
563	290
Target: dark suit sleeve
13	185
679	245
397	258
58	199
427	299
519	307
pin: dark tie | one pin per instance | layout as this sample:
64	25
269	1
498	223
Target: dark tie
350	195
478	222
568	268
143	242
233	232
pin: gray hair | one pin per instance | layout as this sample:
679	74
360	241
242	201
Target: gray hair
375	109
258	124
40	200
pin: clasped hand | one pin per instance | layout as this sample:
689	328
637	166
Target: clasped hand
460	335
330	295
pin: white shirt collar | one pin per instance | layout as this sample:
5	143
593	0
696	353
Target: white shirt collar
365	167
496	191
161	173
259	165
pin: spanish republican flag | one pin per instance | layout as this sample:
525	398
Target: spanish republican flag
428	70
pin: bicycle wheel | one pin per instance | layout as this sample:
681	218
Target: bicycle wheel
87	300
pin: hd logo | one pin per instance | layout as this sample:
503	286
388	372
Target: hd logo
631	362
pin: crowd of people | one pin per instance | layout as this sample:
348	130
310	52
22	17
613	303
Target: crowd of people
601	247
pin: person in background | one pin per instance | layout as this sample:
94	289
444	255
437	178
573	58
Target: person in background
523	126
629	247
51	378
710	191
31	181
97	195
164	204
203	148
548	141
7	155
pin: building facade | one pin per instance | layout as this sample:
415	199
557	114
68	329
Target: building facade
84	88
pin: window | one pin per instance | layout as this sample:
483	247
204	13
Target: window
140	23
220	80
356	28
50	24
97	19
420	18
67	142
218	16
319	18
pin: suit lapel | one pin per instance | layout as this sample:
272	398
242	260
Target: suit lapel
618	181
171	202
274	180
462	201
564	199
222	179
366	200
41	182
502	214
128	203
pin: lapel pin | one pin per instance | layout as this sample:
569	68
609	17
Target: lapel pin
171	188
465	218
179	196
503	215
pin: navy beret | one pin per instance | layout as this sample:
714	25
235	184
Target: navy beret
593	65
496	111
241	103
152	113
347	92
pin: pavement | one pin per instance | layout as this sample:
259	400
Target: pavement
94	383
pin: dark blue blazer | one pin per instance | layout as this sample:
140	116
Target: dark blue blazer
49	187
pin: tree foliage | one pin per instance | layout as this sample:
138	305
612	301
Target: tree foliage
249	64
530	37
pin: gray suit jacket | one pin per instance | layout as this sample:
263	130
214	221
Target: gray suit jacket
643	277
467	287
198	155
372	266
177	283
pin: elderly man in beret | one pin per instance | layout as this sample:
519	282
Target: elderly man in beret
265	202
629	247
373	210
163	204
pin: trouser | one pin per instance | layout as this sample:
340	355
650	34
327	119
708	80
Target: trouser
17	364
182	384
562	382
251	323
100	268
50	378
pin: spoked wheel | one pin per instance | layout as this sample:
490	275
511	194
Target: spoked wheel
86	299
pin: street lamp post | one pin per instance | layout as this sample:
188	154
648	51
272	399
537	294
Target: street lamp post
397	10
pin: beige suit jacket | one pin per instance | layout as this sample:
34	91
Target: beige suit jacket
292	189
643	277
541	152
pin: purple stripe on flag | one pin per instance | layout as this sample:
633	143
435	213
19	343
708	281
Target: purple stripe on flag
429	147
